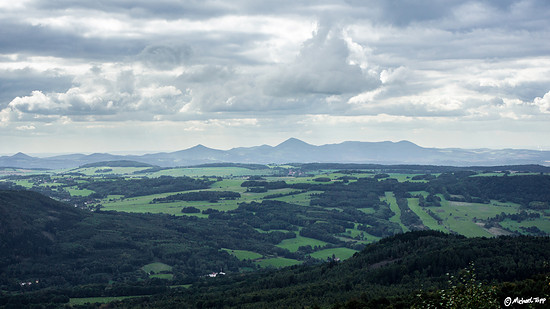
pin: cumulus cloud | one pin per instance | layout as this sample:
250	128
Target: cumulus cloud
98	94
21	82
26	128
322	67
543	103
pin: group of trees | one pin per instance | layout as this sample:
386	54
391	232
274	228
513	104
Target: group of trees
408	217
523	190
143	186
519	217
430	201
211	196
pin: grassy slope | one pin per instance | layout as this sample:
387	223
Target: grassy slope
390	199
293	243
341	253
427	220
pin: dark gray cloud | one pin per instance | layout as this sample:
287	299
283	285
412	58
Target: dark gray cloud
144	9
454	15
21	82
165	57
193	9
525	91
40	40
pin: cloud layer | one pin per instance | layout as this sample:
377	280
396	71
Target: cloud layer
443	73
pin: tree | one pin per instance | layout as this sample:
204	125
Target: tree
464	292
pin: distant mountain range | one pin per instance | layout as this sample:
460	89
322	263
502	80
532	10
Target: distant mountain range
296	151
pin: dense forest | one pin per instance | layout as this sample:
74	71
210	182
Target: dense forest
387	274
65	246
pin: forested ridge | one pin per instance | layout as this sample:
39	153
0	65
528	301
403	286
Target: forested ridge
388	273
64	247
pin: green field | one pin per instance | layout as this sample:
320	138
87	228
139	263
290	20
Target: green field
10	171
302	199
277	262
102	170
94	300
405	177
363	236
390	199
162	276
423	193
142	204
459	216
487	174
341	253
243	254
542	223
229	185
211	171
156	268
427	220
74	191
293	244
24	183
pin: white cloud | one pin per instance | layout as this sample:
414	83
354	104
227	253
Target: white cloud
36	103
543	103
102	93
26	127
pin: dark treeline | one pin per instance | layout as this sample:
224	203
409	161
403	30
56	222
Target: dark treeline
523	190
118	163
408	217
270	185
401	168
431	200
519	217
277	195
143	186
530	191
198	196
243	165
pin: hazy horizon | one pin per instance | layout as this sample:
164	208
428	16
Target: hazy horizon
137	76
142	152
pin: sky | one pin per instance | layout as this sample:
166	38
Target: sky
139	75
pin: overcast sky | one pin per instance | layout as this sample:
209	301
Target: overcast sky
119	75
